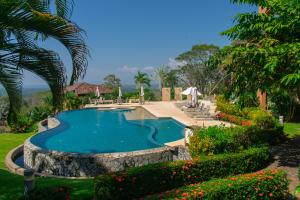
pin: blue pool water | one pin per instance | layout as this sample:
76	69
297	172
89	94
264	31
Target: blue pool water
95	131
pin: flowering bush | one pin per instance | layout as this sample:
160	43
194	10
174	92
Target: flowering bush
245	117
269	184
141	181
220	139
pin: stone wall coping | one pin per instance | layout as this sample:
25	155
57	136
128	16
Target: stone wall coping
33	147
9	160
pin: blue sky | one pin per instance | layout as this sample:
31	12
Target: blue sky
129	35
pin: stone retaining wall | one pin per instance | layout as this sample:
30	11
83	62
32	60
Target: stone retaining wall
89	165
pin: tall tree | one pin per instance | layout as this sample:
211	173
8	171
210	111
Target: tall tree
160	74
266	53
198	71
142	79
111	81
19	25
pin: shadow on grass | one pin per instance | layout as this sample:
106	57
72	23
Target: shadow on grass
11	186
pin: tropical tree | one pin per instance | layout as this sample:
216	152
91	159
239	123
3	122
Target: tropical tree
21	24
266	51
197	71
111	81
160	74
142	79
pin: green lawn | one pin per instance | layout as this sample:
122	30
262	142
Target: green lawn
11	186
292	129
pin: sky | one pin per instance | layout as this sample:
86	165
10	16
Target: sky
125	36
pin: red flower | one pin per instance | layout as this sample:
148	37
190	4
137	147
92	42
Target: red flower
260	194
270	194
201	194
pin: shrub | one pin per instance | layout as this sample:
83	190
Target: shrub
219	139
154	178
39	113
269	184
225	107
23	124
245	117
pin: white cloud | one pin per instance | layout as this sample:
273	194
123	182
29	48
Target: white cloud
174	63
133	70
148	69
127	69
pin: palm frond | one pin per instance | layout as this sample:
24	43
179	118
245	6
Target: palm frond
69	34
11	80
47	65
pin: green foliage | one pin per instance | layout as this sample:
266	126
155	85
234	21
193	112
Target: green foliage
41	112
268	184
256	116
224	106
219	139
197	71
19	43
266	52
23	124
111	81
72	101
142	79
141	181
149	95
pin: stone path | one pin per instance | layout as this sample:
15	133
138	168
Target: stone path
287	157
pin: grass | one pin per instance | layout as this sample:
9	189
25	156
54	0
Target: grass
11	185
292	129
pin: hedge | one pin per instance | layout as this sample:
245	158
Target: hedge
220	139
154	178
269	184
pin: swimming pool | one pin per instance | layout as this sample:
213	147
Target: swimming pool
107	131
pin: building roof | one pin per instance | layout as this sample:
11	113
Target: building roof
86	88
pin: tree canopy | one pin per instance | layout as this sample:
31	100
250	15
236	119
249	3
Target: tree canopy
197	71
111	81
265	53
142	79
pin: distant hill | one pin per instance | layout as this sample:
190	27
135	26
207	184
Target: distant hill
27	90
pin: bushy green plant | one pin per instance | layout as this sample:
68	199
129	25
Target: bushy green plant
72	101
23	124
255	115
39	113
269	184
262	119
220	139
141	181
224	106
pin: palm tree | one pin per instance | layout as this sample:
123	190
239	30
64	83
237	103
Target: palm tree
21	23
160	75
142	79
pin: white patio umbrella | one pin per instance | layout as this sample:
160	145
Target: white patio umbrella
194	96
120	92
189	91
97	92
